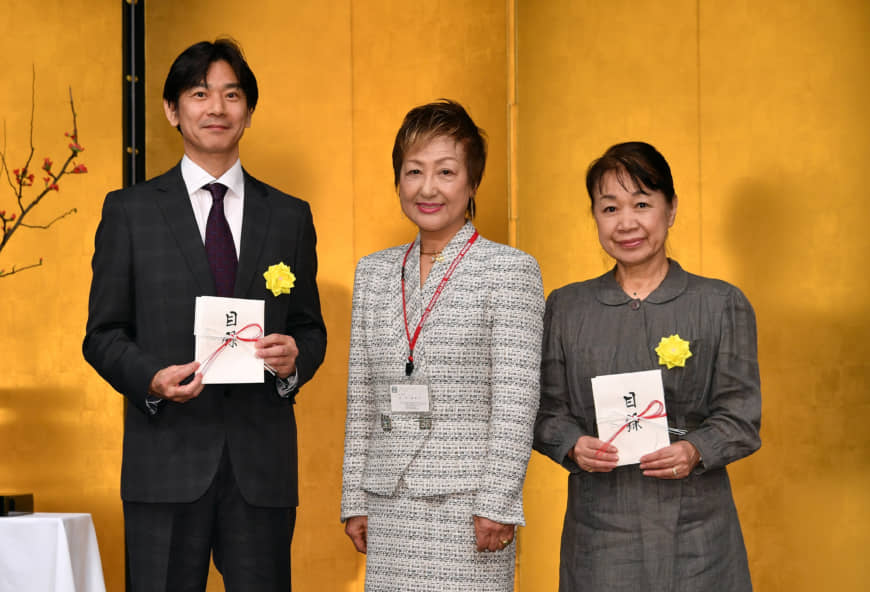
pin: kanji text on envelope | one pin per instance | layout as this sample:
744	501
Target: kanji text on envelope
225	330
630	408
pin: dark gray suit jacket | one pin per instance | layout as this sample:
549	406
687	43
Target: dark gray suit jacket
149	265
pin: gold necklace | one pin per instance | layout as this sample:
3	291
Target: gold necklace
436	255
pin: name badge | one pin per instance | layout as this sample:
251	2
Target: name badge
409	398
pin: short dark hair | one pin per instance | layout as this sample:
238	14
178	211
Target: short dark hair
442	118
643	164
191	68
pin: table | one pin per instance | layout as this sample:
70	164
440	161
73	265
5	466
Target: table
49	553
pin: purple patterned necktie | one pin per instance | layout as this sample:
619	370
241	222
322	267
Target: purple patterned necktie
219	246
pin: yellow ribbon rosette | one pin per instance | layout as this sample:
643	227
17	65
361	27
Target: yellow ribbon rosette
279	279
673	351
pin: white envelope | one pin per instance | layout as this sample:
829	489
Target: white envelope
225	330
631	406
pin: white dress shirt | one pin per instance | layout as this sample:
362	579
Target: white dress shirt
195	178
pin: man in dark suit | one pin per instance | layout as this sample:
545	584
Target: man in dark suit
207	468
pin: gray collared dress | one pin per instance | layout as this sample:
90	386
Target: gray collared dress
624	531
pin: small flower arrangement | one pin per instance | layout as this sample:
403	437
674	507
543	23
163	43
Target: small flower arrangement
279	279
673	351
21	178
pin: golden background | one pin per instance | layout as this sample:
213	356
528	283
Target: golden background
760	108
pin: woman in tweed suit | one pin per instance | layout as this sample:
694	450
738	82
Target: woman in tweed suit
443	378
670	523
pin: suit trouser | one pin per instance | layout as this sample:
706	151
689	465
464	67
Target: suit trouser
169	544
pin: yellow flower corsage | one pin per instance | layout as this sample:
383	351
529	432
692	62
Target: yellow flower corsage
673	351
279	279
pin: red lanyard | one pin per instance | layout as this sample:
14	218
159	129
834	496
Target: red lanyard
412	341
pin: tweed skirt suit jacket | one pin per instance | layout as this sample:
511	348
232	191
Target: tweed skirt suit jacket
479	353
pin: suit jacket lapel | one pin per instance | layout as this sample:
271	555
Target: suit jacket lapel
255	228
173	200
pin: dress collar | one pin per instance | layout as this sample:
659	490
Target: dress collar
608	291
454	246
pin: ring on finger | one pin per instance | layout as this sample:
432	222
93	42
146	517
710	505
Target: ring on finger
674	469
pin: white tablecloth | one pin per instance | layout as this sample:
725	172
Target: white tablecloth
49	553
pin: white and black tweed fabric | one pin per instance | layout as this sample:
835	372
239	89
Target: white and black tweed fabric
479	351
427	545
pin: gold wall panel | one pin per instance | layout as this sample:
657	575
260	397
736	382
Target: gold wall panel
760	108
336	79
60	427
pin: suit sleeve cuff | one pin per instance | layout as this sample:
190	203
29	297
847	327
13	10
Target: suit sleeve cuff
153	403
286	386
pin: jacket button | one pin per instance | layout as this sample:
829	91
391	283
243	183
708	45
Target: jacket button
635	304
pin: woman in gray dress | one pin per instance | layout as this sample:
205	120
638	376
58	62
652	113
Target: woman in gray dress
669	524
443	378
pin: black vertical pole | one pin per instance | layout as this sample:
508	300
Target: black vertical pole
133	85
134	91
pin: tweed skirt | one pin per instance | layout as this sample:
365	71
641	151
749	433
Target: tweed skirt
428	545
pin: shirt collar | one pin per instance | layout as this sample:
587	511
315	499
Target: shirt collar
195	177
608	291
